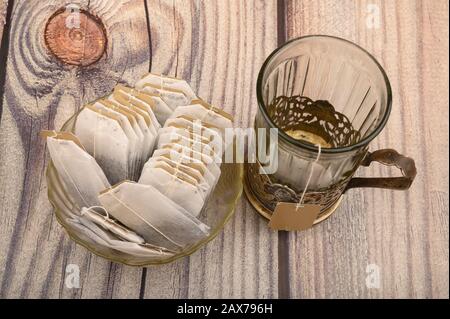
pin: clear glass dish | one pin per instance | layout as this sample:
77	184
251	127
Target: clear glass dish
217	211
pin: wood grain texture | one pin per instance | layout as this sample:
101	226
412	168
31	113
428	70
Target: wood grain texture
41	93
3	6
218	46
404	233
76	43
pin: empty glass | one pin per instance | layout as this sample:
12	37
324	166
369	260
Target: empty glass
328	91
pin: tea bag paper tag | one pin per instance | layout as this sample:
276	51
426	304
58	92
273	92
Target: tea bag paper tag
296	216
291	216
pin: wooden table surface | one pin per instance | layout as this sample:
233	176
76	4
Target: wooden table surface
219	46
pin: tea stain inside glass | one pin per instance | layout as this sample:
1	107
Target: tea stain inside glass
315	122
308	137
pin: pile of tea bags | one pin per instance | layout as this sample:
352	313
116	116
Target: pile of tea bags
186	164
113	143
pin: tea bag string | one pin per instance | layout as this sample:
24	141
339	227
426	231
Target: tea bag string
161	85
197	142
210	110
174	177
95	137
300	202
92	209
144	220
197	123
130	96
122	232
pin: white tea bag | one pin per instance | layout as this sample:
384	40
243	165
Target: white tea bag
105	139
89	231
146	135
173	97
188	122
167	82
162	110
211	162
206	113
200	180
150	135
173	134
130	128
126	116
165	224
131	97
151	102
176	185
78	170
214	133
194	127
211	174
108	224
189	143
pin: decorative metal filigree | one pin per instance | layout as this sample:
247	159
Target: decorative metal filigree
320	119
317	117
269	192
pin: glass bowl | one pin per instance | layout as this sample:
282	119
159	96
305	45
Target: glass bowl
217	211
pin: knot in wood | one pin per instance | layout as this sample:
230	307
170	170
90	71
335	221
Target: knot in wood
75	37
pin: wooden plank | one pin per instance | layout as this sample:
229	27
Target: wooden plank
431	51
3	6
404	233
218	46
41	93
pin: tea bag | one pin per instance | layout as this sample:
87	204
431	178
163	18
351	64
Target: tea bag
167	224
78	170
195	127
108	136
212	165
170	134
194	172
172	97
167	82
211	174
190	123
189	143
108	224
174	184
206	113
89	231
148	133
181	135
128	116
210	131
212	162
153	102
141	100
162	110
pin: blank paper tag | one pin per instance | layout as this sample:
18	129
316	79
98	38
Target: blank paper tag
288	217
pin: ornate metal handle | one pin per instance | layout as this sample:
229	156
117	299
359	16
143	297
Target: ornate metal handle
391	158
